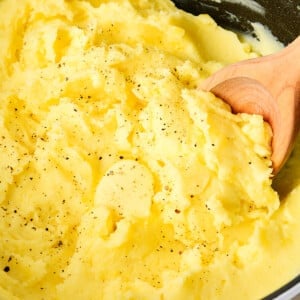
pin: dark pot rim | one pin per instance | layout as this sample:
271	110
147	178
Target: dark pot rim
281	17
283	291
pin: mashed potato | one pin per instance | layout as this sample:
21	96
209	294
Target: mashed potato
119	179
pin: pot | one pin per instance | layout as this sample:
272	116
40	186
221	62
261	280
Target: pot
237	16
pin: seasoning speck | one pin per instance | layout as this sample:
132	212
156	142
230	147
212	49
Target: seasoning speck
6	269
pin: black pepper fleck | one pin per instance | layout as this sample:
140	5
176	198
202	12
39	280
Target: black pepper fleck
6	269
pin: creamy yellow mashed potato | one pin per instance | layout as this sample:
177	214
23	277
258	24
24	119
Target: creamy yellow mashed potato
119	178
